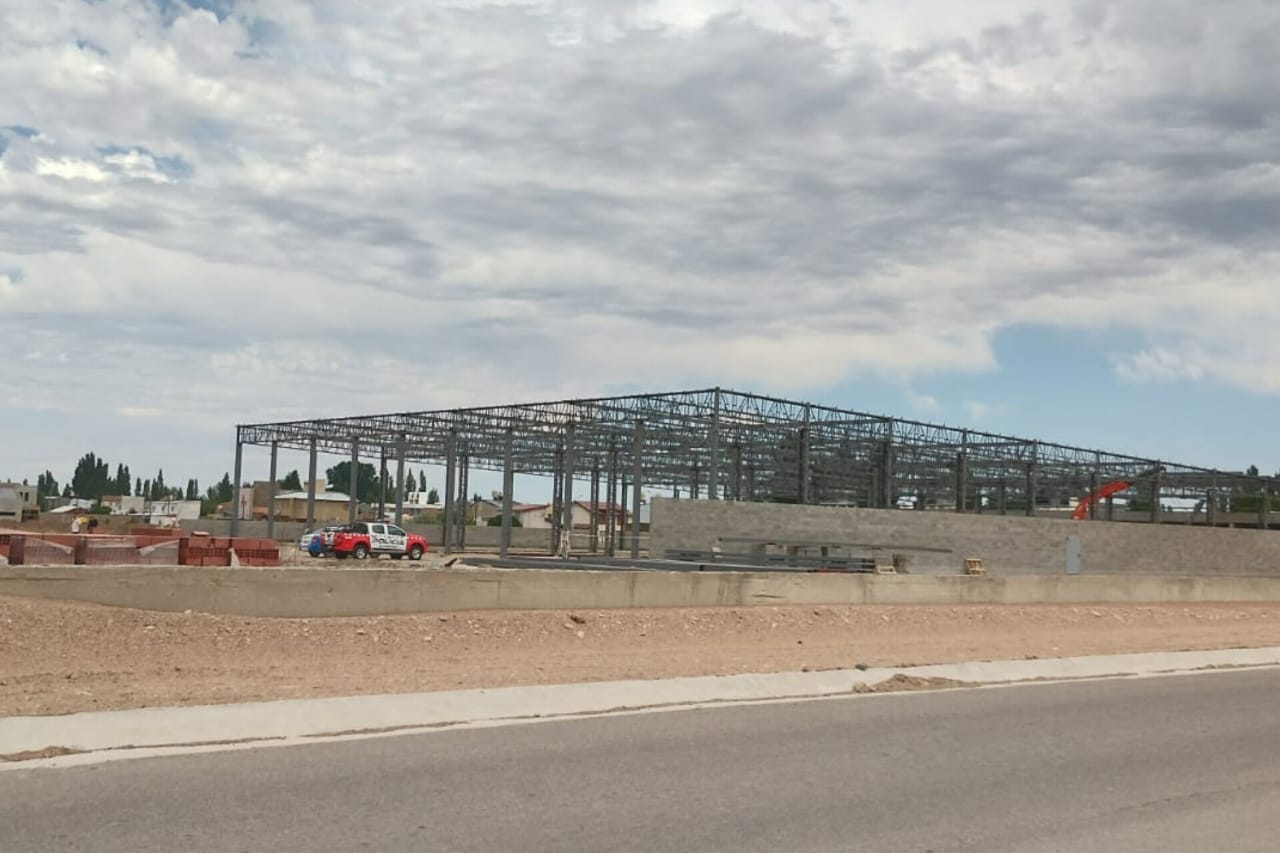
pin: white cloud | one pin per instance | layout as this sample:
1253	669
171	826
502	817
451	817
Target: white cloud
70	170
427	204
980	412
923	403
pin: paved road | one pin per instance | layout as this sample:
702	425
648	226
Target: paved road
1171	764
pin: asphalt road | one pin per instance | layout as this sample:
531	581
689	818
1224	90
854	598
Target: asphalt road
1169	764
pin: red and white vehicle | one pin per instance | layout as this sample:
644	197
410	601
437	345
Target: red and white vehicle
366	539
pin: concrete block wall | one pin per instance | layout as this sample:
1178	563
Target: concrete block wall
1006	544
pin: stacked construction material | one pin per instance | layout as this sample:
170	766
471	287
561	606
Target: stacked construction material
144	546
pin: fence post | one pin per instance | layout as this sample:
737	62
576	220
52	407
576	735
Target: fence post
17	550
81	551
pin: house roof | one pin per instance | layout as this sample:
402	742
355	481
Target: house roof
603	507
331	497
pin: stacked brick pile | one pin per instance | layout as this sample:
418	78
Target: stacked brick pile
143	546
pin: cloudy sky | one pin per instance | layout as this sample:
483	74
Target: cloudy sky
1055	218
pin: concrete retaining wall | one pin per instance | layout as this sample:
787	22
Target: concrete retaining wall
1006	544
336	592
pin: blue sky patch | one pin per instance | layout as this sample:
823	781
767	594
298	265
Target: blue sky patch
171	9
171	166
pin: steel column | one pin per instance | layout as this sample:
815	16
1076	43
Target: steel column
236	501
508	486
401	450
354	496
593	535
464	498
886	467
1211	504
737	471
1155	496
624	490
271	490
1031	481
1264	499
450	483
567	482
611	485
312	462
557	501
637	477
713	443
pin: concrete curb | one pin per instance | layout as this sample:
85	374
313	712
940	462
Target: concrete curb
109	735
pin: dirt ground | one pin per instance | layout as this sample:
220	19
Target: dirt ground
59	658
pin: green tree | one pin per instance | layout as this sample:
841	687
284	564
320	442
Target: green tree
158	490
339	477
292	482
225	490
496	521
193	491
122	482
46	486
91	477
433	497
410	484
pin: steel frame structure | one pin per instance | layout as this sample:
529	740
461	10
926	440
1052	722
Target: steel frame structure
721	444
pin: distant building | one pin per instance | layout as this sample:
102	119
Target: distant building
254	501
66	506
330	508
170	513
18	502
126	504
539	515
417	501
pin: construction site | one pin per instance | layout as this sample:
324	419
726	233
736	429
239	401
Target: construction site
719	476
723	446
754	535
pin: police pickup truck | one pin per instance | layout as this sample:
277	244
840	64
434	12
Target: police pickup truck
366	539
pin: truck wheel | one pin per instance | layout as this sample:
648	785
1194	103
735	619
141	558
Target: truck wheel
360	552
415	552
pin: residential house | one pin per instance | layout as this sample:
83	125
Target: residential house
170	513
330	507
13	502
126	504
539	515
